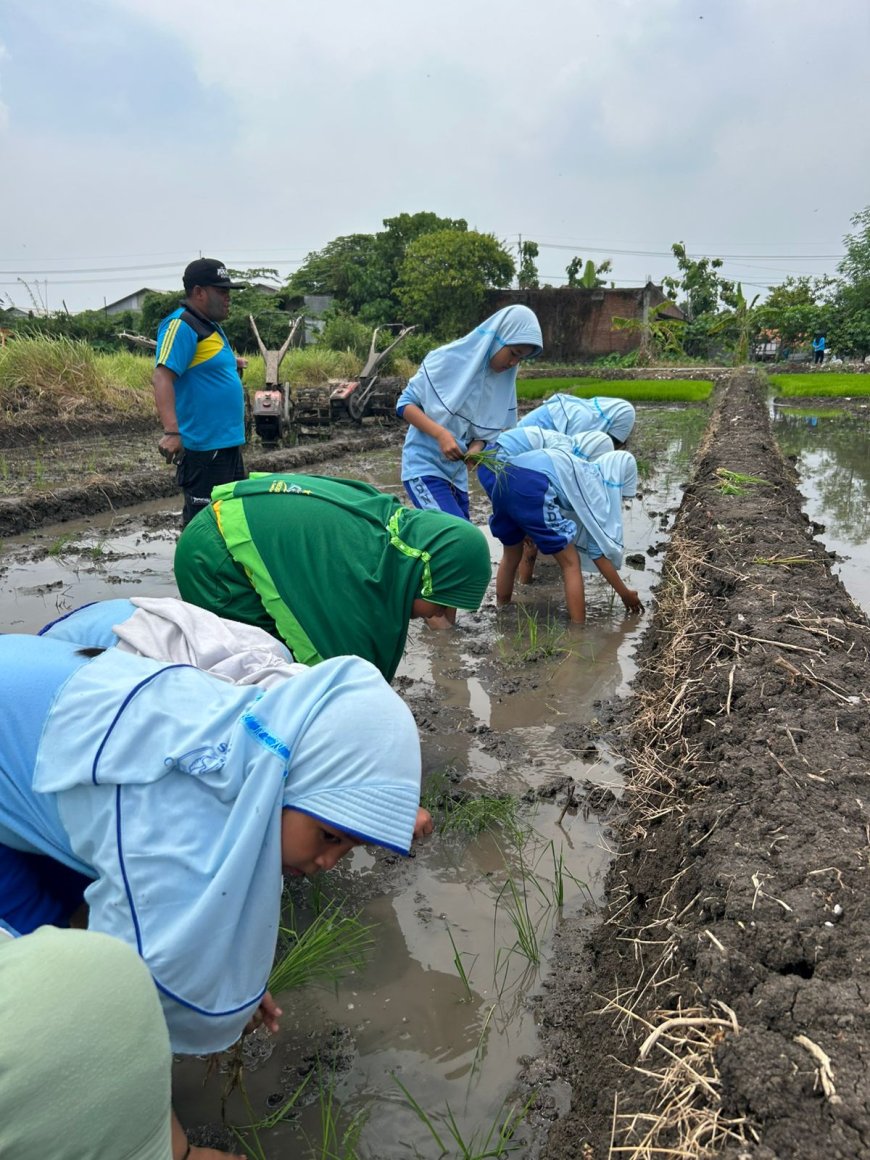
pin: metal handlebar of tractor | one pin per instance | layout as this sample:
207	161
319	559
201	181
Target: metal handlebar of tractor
273	406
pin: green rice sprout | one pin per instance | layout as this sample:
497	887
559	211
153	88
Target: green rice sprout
330	946
517	907
735	482
496	1143
460	966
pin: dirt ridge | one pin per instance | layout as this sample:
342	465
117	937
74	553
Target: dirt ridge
738	897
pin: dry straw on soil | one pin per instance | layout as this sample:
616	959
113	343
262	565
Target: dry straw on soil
683	1116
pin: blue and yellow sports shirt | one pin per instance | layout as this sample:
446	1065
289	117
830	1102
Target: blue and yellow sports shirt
209	399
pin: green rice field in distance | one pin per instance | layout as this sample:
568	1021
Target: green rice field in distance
635	390
815	386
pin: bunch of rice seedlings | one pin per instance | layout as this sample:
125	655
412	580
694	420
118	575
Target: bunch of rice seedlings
331	945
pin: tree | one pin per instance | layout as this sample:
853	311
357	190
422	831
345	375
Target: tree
527	279
700	285
361	270
591	276
794	311
660	337
740	323
445	275
849	331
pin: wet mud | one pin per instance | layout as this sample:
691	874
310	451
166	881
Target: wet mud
722	1007
707	990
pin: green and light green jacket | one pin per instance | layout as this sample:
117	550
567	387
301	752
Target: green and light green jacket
337	564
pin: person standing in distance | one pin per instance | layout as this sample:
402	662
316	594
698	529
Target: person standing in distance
197	389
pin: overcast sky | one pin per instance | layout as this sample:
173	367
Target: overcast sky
137	134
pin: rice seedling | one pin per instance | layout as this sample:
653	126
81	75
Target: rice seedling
635	390
460	966
498	1140
337	1143
735	482
534	638
474	815
56	547
518	911
821	385
330	946
248	1135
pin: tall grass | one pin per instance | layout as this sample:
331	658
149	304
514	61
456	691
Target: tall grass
61	378
306	368
636	390
822	385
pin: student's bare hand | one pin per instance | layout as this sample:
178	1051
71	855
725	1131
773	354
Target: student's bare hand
266	1015
450	449
423	824
632	601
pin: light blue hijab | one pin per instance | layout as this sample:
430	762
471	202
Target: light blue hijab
573	416
589	445
455	381
170	785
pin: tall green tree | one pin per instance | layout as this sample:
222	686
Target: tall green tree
527	278
849	329
361	270
698	288
445	275
796	310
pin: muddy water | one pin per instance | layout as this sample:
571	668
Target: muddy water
505	704
832	454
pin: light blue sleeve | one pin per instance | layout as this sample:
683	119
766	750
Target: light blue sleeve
91	626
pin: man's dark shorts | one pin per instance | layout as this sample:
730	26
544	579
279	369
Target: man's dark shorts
200	471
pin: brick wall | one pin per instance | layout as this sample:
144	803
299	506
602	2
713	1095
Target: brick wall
576	324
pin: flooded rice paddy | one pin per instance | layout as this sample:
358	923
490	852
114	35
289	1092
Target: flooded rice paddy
509	704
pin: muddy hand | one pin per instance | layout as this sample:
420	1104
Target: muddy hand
632	601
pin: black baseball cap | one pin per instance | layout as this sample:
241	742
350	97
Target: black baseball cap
209	272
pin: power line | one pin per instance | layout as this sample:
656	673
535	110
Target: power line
694	255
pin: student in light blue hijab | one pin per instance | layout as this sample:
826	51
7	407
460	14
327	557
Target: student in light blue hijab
462	396
571	509
572	416
181	798
589	445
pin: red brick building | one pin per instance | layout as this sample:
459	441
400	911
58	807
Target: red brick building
577	324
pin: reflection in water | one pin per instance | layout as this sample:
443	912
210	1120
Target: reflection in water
833	461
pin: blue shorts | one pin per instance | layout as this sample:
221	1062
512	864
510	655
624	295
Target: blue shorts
432	493
525	504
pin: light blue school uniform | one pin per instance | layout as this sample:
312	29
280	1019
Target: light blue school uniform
456	388
168	786
572	416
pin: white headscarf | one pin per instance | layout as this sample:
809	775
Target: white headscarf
170	786
456	380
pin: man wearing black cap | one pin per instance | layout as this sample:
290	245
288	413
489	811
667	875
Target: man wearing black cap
199	395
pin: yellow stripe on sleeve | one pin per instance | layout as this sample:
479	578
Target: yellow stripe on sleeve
168	339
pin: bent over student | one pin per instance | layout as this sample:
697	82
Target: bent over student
572	416
329	566
461	397
180	799
570	509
